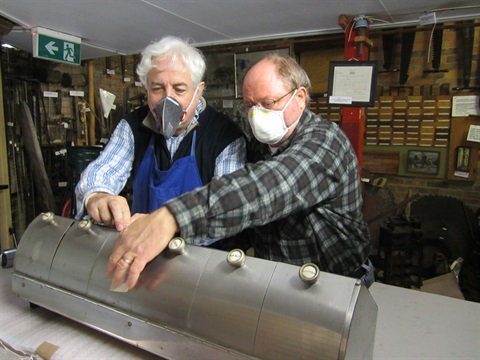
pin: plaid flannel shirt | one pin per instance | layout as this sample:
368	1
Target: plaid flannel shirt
303	204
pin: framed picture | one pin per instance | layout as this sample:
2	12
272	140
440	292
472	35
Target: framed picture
352	83
425	162
219	76
462	162
244	60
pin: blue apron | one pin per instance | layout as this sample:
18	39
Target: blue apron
153	187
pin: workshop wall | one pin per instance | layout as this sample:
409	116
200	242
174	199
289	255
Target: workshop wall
61	94
452	79
423	86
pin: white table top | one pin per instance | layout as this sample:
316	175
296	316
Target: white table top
417	325
410	325
25	329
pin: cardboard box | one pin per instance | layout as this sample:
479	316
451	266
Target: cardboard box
443	285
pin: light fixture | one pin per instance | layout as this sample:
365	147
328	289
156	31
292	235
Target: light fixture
361	22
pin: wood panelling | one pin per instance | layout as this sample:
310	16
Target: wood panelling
316	64
385	162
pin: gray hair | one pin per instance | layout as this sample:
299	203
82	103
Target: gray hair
173	48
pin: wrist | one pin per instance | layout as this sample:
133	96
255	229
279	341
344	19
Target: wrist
167	219
89	196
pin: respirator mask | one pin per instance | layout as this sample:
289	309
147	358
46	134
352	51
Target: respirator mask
170	114
268	126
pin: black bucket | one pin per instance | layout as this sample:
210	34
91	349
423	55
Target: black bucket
79	157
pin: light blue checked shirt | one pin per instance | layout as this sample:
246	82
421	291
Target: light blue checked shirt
110	171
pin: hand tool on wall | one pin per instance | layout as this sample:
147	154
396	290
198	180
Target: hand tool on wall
32	146
407	46
82	105
19	181
467	50
465	55
388	41
437	48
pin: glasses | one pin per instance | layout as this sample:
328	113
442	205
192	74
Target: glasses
268	104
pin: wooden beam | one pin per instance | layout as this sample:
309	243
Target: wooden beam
91	104
6	242
343	21
363	39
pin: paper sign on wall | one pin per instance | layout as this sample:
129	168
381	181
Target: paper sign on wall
465	105
474	133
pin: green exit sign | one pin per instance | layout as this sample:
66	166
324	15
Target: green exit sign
55	46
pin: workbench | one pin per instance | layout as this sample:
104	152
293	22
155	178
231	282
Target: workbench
410	325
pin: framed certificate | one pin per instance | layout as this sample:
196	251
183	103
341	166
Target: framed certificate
352	83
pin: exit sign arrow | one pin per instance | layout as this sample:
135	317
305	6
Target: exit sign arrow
55	46
51	47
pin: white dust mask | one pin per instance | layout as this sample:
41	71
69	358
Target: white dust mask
268	126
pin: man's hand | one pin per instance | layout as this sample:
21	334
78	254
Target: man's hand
138	244
112	210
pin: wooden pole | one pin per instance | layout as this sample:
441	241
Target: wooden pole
91	103
6	242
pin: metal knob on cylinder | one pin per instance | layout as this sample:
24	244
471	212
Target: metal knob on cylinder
86	225
177	245
49	218
309	273
236	258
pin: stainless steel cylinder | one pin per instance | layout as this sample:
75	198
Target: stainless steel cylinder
197	302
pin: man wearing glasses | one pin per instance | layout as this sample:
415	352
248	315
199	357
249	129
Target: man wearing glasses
301	204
